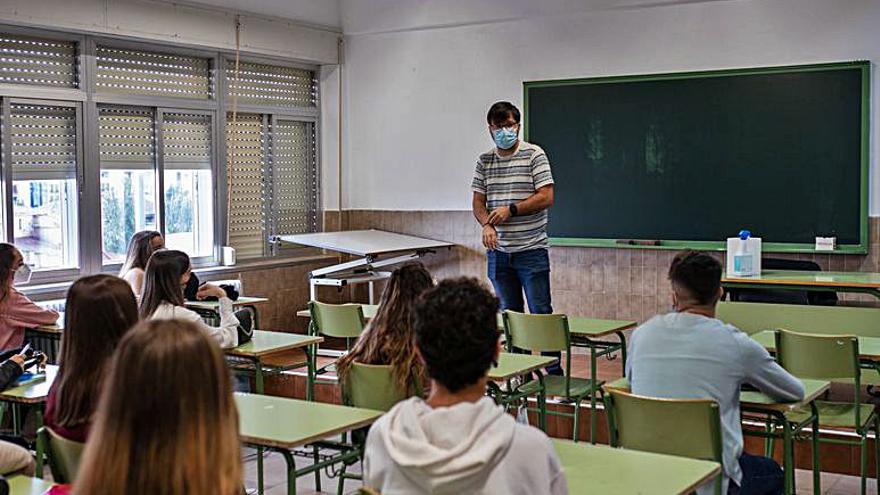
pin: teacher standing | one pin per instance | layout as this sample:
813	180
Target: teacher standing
513	188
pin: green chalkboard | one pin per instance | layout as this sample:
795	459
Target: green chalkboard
690	159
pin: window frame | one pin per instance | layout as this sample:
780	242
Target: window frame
87	99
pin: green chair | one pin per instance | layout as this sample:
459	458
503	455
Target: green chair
686	428
369	386
345	321
832	358
64	455
549	333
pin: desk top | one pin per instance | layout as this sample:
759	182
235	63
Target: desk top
577	325
33	390
289	423
592	469
212	305
264	343
365	242
511	365
869	347
753	400
800	278
25	485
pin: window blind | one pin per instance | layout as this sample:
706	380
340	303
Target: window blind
271	85
245	145
37	61
126	138
186	139
43	141
152	73
294	199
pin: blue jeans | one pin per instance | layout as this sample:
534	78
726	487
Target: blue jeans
761	476
529	271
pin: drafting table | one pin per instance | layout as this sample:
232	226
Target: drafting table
375	249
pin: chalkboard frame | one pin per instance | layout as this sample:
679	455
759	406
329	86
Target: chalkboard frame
776	247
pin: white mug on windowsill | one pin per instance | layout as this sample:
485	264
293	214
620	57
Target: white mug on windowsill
227	256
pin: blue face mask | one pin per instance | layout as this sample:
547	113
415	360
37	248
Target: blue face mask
505	138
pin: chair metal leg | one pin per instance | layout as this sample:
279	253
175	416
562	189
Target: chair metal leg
877	451
817	470
340	488
787	456
542	403
593	381
577	417
863	462
315	452
768	440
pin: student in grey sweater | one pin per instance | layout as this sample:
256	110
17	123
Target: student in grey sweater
689	354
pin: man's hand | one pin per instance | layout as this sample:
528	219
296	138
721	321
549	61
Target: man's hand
19	359
499	215
490	237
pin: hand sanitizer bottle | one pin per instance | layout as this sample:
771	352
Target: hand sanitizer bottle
742	259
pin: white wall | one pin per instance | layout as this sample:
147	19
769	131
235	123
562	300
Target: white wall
420	75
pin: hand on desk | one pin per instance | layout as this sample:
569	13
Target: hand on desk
209	290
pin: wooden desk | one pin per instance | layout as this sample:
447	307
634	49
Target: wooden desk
760	403
265	343
863	282
33	390
283	424
215	305
25	485
592	469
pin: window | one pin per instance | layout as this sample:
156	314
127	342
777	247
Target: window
36	61
128	183
152	73
189	191
44	189
91	153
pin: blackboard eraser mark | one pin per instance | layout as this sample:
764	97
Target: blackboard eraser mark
637	242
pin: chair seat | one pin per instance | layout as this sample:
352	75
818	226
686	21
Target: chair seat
554	386
836	415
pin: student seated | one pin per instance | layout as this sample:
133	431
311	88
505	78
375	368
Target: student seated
458	440
141	246
689	354
17	312
166	422
14	458
99	311
388	338
167	273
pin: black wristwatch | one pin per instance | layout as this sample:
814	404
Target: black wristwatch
513	209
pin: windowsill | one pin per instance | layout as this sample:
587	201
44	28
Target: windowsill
58	290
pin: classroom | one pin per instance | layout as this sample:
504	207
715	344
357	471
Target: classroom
439	246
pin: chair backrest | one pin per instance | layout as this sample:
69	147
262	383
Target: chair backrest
371	386
336	320
819	357
536	332
825	320
687	428
64	455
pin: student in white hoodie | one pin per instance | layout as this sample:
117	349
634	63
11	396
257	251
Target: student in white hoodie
166	275
458	440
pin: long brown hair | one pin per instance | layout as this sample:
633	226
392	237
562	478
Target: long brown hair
167	423
140	247
389	338
99	310
162	280
7	270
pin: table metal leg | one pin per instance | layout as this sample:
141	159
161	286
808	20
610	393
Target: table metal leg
259	387
311	356
817	470
542	402
291	471
40	447
593	390
787	456
16	428
622	337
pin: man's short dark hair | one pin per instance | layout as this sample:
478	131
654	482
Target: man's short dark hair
698	274
501	111
456	329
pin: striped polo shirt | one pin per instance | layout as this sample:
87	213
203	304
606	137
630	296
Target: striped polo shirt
511	180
